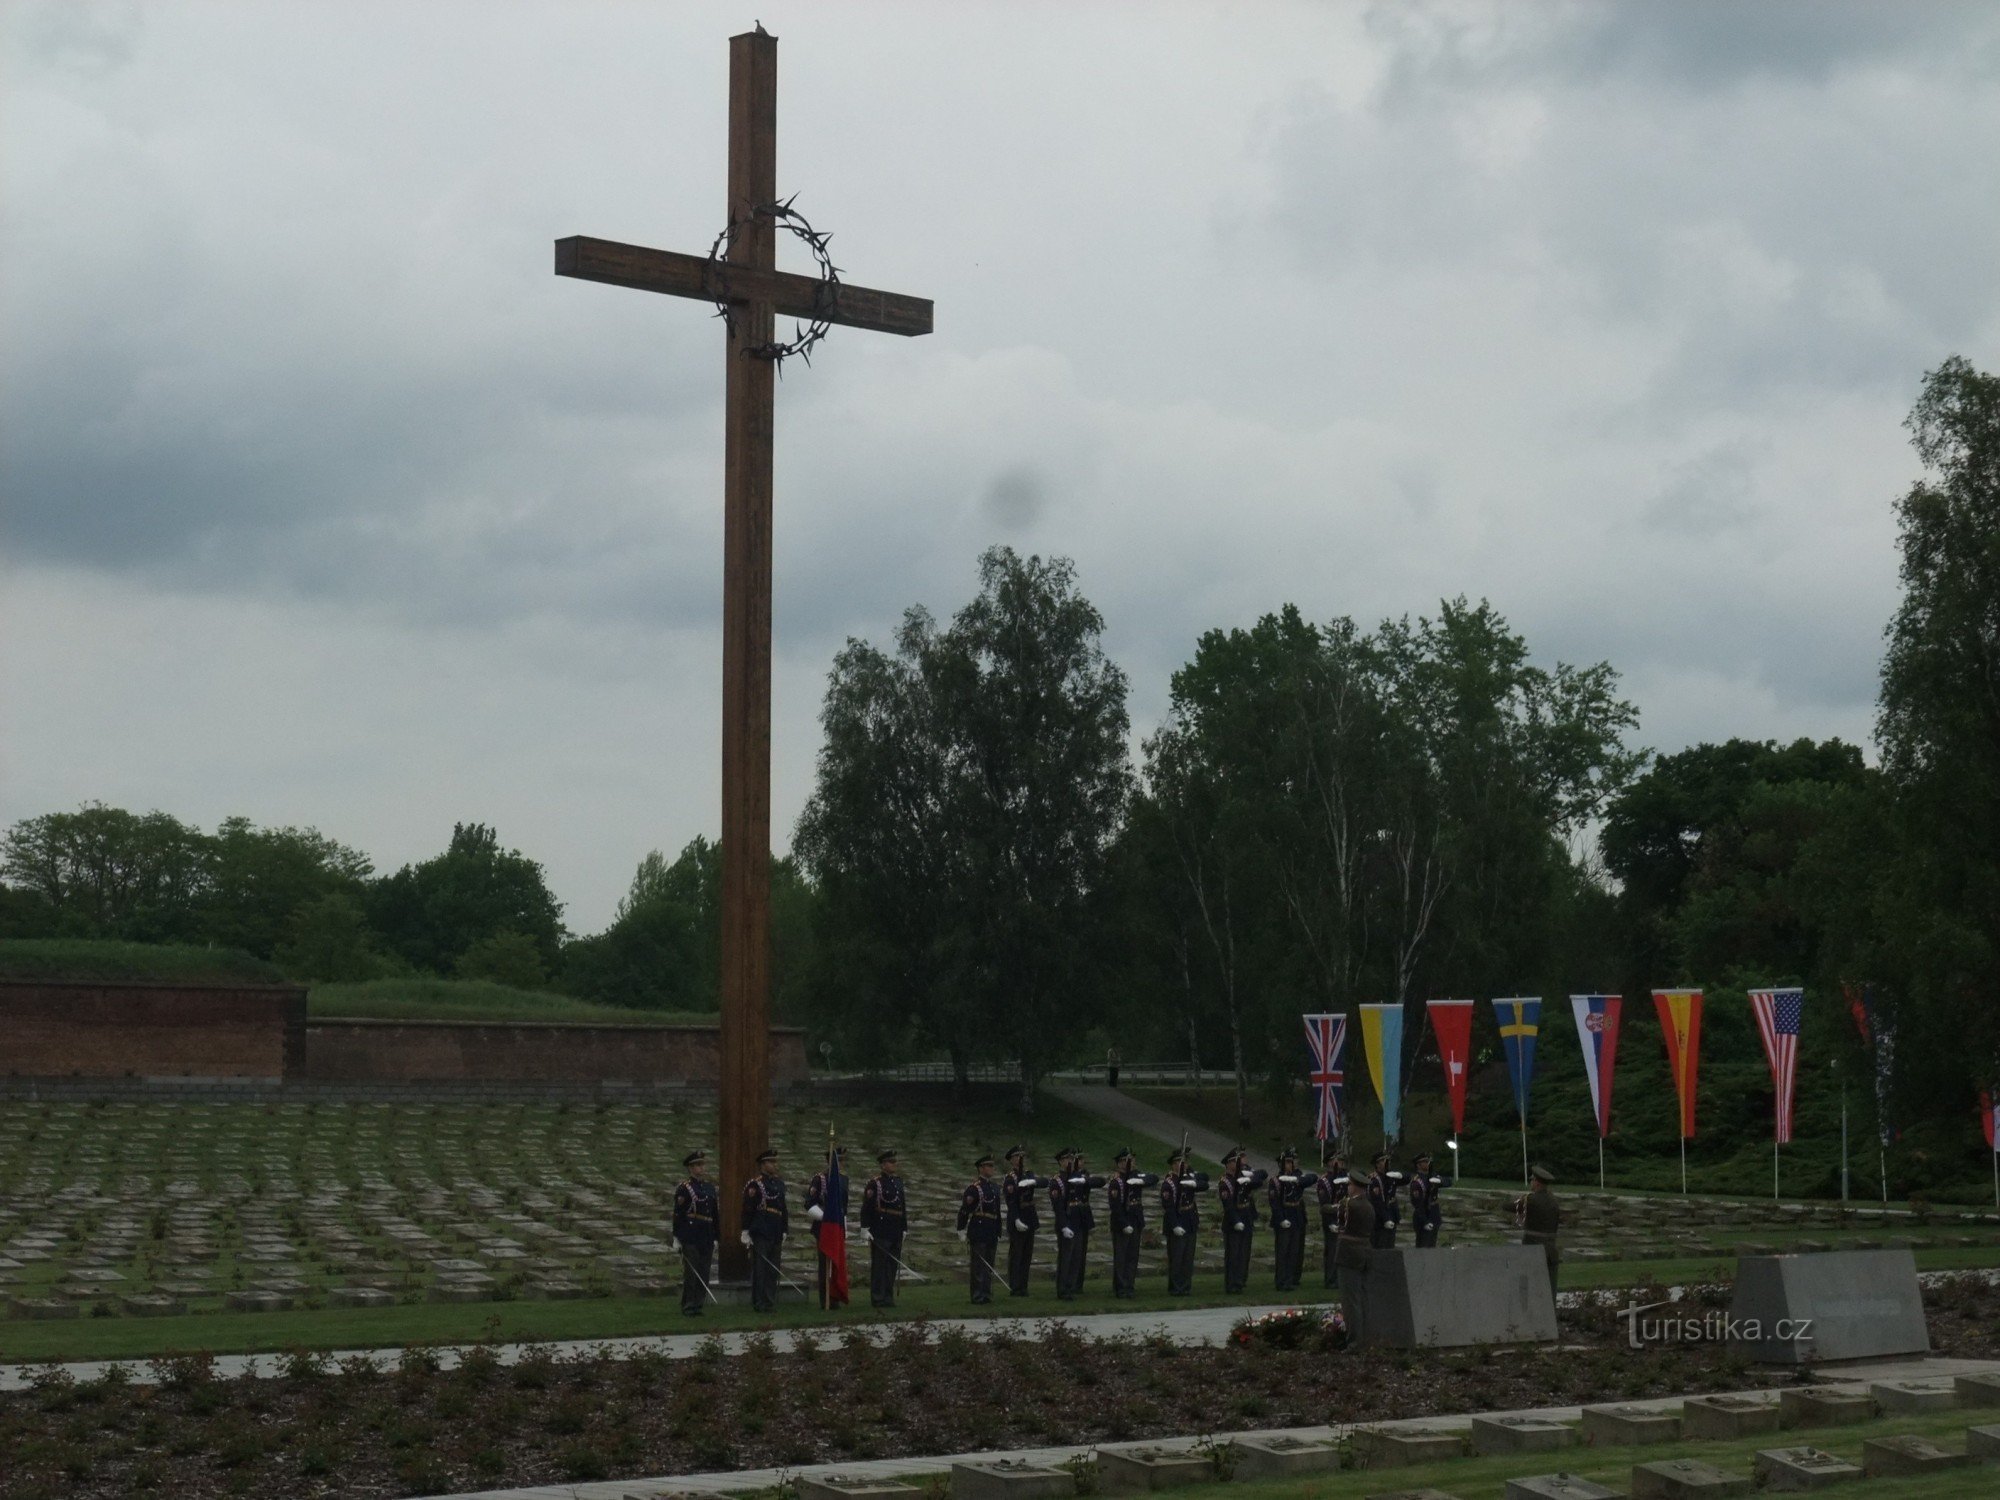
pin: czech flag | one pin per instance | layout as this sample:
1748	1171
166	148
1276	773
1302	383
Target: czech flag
831	1232
1597	1029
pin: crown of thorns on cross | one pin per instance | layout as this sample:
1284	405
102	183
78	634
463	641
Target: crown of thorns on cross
804	335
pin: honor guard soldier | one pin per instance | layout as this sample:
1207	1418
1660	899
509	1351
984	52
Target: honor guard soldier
1357	1236
1018	1197
883	1220
979	1213
826	1198
1126	1193
1426	1211
1238	1192
1540	1217
1179	1218
765	1221
1074	1219
1287	1192
1331	1191
696	1217
1382	1186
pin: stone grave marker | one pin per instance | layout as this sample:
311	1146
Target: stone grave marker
1629	1426
1901	1397
1124	1470
1281	1457
1983	1443
1685	1479
1795	1470
1850	1304
1559	1487
1010	1480
1400	1447
1495	1294
1888	1457
1724	1417
1824	1406
1977	1390
837	1487
1498	1435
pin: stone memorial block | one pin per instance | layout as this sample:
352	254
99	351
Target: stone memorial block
1559	1487
1888	1457
838	1487
1685	1479
1629	1425
1901	1397
1007	1480
149	1305
1824	1406
1496	1435
1124	1470
40	1308
1794	1470
1470	1294
1724	1417
1399	1447
1281	1457
360	1296
1978	1390
1983	1443
1411	1495
1849	1304
256	1302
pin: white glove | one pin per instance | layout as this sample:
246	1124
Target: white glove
1284	1223
815	1213
1180	1231
1068	1233
1237	1226
961	1234
1244	1179
1028	1182
1022	1225
1188	1182
1131	1229
1137	1182
1289	1177
868	1236
745	1237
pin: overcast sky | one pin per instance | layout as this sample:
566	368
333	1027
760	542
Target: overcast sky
326	502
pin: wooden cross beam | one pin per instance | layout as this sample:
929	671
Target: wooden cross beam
756	292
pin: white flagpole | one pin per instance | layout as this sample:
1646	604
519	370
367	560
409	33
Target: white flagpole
1843	1145
1600	1164
1524	1151
1684	1166
1882	1166
1774	1169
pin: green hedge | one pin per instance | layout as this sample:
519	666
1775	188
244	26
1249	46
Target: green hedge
472	1000
77	958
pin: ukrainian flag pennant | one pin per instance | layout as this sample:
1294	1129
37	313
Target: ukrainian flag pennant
1382	1039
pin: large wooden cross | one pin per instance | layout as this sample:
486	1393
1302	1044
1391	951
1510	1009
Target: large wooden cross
756	291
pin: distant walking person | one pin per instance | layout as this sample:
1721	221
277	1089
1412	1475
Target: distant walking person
1019	1195
1111	1061
884	1217
696	1215
1357	1237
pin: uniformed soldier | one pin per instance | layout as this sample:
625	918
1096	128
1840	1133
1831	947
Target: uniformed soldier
826	1195
883	1220
1019	1197
1357	1236
1426	1209
1179	1218
1070	1196
1331	1191
1287	1193
979	1213
1382	1186
1238	1192
765	1222
696	1216
1541	1220
1126	1194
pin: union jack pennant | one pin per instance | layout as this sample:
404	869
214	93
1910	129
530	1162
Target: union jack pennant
1778	1014
1326	1036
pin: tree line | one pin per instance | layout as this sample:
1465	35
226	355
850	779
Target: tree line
1328	813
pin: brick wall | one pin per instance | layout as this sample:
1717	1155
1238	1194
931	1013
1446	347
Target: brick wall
136	1029
360	1051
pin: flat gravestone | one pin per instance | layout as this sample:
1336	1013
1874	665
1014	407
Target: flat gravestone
148	1305
1281	1457
360	1296
1410	1495
256	1302
1977	1390
1888	1457
1497	1435
556	1289
1010	1481
1559	1487
1824	1407
1685	1479
1848	1304
1719	1418
1400	1447
834	1487
1795	1470
40	1308
1470	1294
1983	1442
1629	1425
1901	1397
1126	1470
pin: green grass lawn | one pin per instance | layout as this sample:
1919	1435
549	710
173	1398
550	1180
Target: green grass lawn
475	1000
87	959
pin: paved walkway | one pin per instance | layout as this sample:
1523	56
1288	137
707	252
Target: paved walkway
914	1469
1144	1119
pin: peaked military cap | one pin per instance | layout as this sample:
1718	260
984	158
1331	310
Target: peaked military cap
767	1154
984	1161
1543	1174
1014	1152
884	1156
692	1157
1123	1153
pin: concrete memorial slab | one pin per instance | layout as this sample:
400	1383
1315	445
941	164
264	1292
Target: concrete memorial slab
839	1487
1400	1447
1977	1390
1983	1443
1411	1495
1126	1470
1009	1480
1471	1294
1629	1425
1888	1457
1498	1435
1847	1304
1719	1418
1281	1457
1559	1487
1901	1397
1685	1479
1795	1470
1825	1406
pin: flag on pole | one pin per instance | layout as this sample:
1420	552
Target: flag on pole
1451	1022
1597	1030
1382	1040
1989	1117
1520	1023
1878	1034
831	1231
1778	1015
1326	1036
1680	1021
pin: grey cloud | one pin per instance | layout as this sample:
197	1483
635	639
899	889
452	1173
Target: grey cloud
1014	499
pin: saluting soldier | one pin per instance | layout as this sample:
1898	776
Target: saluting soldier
1287	1192
1179	1218
883	1220
1357	1237
1018	1196
1382	1185
765	1221
826	1196
1331	1191
696	1216
1238	1192
979	1213
1126	1193
1426	1211
1074	1220
1541	1220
